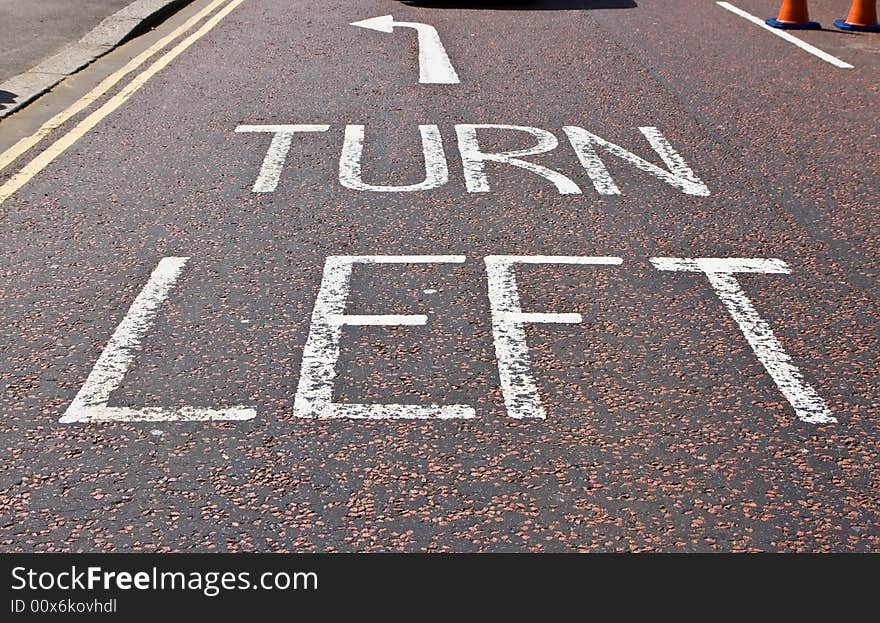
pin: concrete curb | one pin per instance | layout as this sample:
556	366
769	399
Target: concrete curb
22	89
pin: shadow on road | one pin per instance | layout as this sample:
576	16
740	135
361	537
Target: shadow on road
524	5
6	98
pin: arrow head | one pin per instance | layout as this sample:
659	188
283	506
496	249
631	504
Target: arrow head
382	24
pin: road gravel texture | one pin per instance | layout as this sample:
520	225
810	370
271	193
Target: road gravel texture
663	430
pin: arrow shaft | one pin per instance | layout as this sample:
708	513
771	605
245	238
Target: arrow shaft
434	64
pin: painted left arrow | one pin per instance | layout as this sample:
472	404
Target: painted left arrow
434	64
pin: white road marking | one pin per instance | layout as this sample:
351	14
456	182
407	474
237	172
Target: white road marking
314	394
807	403
825	56
722	264
434	64
26	143
679	174
508	329
586	146
436	171
276	155
57	148
473	157
90	404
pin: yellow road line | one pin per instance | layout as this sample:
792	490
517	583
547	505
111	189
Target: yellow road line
41	161
8	156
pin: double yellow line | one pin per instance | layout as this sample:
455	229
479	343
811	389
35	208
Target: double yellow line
57	148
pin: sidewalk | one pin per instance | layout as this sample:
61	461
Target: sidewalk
42	41
34	30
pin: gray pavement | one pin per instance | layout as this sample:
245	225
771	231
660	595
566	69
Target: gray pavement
683	410
133	19
33	30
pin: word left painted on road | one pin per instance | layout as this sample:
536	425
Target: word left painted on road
519	386
588	148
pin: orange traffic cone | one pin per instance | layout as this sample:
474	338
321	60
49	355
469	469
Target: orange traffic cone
862	16
794	16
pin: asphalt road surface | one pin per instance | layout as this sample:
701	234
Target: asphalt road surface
650	323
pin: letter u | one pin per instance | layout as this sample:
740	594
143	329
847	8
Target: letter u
436	171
